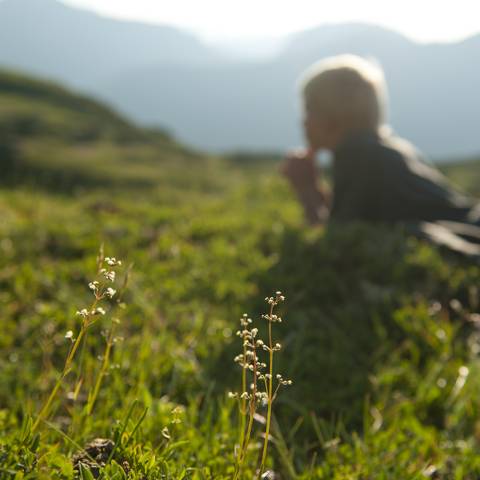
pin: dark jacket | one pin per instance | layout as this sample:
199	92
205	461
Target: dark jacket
384	179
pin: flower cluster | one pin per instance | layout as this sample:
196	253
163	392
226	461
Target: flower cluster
86	313
249	360
113	262
278	298
101	288
281	381
258	374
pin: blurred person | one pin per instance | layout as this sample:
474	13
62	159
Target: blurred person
377	176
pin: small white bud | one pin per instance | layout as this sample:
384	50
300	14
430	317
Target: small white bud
110	292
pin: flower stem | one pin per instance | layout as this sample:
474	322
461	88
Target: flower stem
45	410
103	370
43	413
248	433
270	395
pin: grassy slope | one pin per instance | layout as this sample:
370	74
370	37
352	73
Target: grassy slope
375	332
466	174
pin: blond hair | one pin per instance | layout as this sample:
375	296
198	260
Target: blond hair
348	88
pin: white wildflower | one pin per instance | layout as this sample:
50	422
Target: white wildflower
112	261
110	292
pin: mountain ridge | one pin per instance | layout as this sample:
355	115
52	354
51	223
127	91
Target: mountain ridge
77	46
170	78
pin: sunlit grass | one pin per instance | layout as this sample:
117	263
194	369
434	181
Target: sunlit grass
381	332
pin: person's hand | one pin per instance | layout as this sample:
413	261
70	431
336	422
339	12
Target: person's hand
299	168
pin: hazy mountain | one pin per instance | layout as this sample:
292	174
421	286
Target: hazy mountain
432	89
160	75
80	47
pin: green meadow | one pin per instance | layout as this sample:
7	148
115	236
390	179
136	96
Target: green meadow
379	330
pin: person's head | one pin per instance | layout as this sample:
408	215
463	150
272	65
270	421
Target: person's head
342	94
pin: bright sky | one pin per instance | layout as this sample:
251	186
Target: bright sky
422	20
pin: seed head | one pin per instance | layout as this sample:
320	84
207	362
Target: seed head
112	261
110	292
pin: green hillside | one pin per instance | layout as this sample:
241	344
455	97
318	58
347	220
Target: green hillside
54	138
379	332
465	174
35	107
